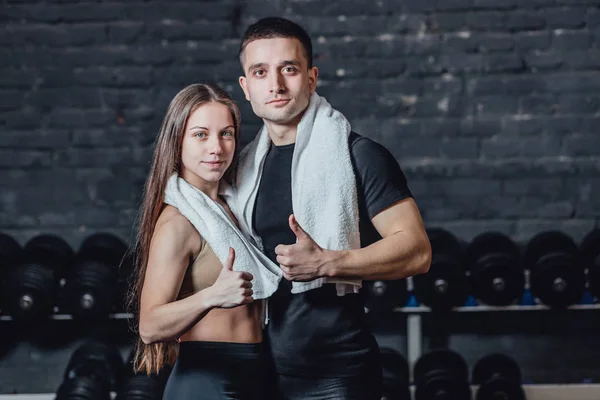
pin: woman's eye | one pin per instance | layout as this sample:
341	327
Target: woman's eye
200	134
227	133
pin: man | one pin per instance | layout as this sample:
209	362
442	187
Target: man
318	338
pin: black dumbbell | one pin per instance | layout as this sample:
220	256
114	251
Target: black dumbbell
396	378
94	366
142	386
384	296
441	375
498	377
82	388
31	286
10	253
590	252
444	286
90	291
496	271
556	272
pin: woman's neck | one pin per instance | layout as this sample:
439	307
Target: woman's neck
209	188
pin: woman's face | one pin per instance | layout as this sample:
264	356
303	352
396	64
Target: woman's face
208	144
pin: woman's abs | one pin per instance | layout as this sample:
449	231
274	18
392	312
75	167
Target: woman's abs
241	324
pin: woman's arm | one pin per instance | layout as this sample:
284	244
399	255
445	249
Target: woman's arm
162	316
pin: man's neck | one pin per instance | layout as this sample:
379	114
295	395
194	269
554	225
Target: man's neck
282	134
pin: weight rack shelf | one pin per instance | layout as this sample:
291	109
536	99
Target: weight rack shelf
533	392
404	310
481	308
61	317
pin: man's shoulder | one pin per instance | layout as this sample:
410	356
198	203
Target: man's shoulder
355	138
364	146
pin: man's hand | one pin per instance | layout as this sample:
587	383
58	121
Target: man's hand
303	261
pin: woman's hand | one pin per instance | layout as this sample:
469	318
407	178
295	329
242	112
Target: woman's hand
232	288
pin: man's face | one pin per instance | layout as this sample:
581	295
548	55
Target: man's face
277	81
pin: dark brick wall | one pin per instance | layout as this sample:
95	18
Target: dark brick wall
490	106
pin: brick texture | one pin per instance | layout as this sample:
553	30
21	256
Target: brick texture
491	107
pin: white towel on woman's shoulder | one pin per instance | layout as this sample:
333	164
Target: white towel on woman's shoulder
216	227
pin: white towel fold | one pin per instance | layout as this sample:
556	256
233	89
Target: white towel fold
217	228
324	197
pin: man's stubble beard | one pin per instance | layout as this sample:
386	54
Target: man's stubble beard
278	116
285	115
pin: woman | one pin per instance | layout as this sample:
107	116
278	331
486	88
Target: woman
194	311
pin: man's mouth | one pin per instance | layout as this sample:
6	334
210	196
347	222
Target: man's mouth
278	101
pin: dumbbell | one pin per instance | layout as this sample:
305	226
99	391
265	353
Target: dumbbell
496	271
444	286
498	377
141	386
384	296
91	283
31	286
82	388
441	374
396	377
590	251
556	272
10	253
93	371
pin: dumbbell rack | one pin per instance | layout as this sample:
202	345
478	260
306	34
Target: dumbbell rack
414	351
57	317
533	391
414	331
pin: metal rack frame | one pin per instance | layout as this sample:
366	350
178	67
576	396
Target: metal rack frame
414	351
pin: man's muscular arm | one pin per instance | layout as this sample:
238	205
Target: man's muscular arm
403	251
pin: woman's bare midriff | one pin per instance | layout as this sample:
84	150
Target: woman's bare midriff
241	324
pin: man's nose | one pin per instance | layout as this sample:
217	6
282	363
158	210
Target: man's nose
277	85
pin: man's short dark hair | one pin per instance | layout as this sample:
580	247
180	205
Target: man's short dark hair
277	27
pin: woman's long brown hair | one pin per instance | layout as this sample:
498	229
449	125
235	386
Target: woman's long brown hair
151	358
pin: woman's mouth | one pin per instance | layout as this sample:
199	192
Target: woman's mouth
214	164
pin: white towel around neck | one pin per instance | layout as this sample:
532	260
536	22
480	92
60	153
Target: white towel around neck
217	228
324	194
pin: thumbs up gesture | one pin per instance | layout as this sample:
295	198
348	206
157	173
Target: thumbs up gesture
303	261
232	288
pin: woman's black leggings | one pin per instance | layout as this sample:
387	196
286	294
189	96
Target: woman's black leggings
217	371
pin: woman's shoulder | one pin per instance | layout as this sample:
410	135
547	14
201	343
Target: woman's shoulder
171	224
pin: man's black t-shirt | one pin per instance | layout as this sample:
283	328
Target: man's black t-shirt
318	333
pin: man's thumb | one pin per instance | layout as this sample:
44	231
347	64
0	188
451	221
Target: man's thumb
296	228
230	259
